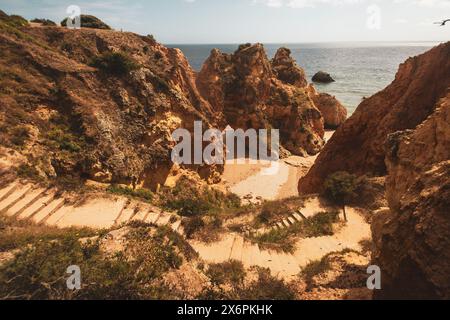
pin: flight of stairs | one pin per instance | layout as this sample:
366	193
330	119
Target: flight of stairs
25	201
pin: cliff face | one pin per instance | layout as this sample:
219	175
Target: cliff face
253	92
413	239
74	118
358	146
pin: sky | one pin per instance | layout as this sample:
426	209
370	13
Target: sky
266	21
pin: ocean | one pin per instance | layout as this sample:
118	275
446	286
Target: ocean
360	69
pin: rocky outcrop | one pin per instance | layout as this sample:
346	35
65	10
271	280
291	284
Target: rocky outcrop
253	92
358	146
322	77
69	118
286	69
413	238
333	112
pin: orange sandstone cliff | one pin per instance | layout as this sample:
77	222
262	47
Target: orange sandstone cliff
358	146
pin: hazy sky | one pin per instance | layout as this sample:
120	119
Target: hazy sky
269	21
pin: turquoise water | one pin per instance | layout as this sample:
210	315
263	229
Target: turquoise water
360	69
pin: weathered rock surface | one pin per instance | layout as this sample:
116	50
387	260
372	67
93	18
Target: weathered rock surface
413	239
77	120
358	146
286	69
333	112
253	92
322	77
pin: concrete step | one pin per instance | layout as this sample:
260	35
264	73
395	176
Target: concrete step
176	226
153	216
292	220
298	217
127	214
250	255
14	197
267	261
39	205
236	251
8	190
43	215
164	219
286	224
97	213
30	198
288	264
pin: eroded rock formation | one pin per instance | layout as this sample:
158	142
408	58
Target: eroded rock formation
253	92
74	119
358	146
413	238
333	112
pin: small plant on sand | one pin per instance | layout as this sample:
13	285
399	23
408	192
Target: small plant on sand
340	188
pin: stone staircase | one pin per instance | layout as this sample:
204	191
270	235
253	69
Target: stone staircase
47	206
25	201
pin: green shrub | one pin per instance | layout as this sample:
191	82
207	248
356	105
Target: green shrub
316	268
231	272
88	21
44	22
284	239
19	135
142	194
189	200
19	233
276	239
39	271
317	226
27	171
114	63
266	287
64	140
271	211
16	21
193	225
341	188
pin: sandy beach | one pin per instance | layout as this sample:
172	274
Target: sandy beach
268	181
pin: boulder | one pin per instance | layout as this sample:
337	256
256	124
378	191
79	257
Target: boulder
333	112
322	77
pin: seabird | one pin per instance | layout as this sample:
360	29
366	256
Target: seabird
443	22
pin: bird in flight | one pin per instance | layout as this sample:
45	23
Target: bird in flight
442	23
